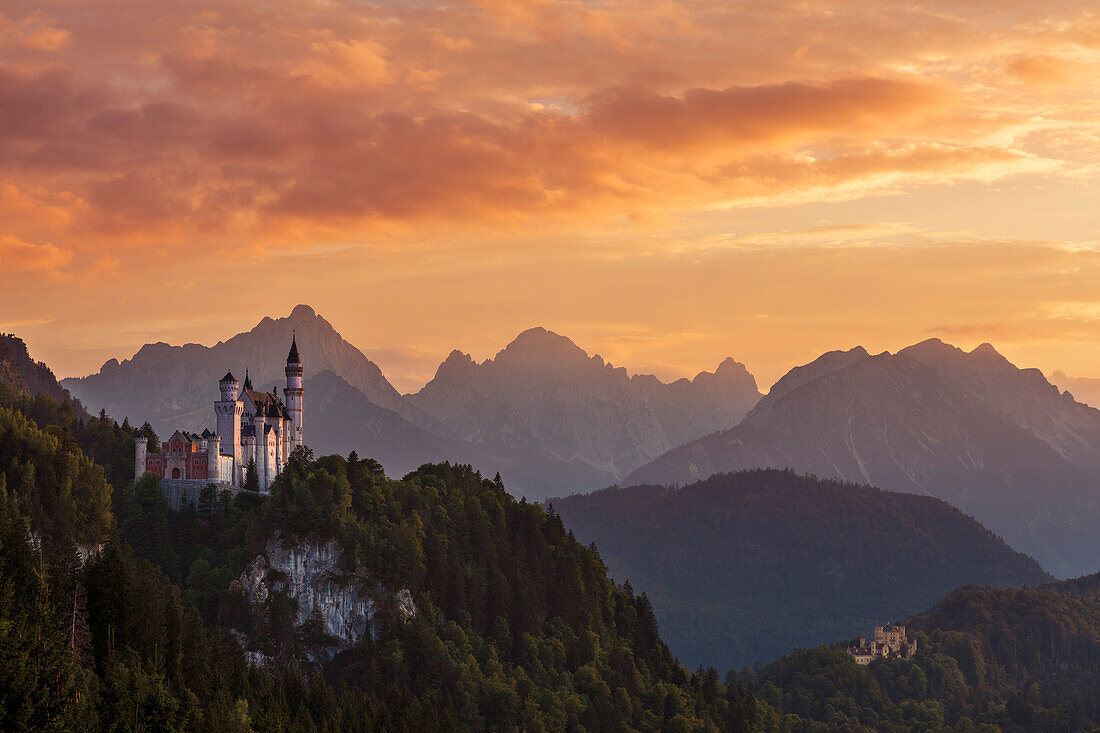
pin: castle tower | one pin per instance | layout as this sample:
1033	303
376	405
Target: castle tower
213	456
141	448
228	410
294	394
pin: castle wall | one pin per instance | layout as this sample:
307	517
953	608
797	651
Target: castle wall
179	493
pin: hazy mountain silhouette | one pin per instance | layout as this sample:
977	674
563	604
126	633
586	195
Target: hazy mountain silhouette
341	419
175	386
1000	443
1084	389
744	567
543	395
354	407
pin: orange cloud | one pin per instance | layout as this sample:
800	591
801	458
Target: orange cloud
19	256
473	137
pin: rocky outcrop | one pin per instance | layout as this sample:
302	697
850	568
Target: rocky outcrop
343	606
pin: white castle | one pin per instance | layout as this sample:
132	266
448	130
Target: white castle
252	427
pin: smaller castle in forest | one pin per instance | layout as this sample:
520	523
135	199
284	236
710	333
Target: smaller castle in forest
889	641
253	427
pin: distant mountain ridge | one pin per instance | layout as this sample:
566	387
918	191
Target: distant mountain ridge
175	386
1084	389
544	414
1000	443
342	419
742	568
544	394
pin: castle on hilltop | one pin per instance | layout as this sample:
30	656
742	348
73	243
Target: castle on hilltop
252	426
889	641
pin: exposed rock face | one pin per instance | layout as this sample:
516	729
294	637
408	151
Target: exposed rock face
174	387
543	396
345	604
1000	443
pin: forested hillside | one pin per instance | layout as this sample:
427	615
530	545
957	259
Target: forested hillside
517	625
25	376
1013	660
998	442
744	567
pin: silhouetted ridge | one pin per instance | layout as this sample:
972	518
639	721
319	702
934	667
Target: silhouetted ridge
743	567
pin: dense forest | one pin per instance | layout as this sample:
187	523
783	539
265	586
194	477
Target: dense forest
988	659
517	624
741	568
117	613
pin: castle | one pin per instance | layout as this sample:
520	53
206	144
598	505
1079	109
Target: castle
252	426
889	640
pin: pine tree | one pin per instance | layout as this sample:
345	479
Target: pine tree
80	636
251	476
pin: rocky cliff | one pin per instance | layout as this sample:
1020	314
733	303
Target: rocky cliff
334	607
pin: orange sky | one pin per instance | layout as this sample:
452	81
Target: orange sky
667	182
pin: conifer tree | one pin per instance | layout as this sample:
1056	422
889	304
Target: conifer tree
251	476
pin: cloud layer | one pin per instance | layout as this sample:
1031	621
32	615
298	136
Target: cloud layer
136	137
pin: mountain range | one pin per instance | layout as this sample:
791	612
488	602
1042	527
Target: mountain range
999	442
544	394
543	413
172	387
741	568
1084	389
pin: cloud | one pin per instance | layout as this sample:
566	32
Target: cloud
19	256
346	64
245	123
970	331
392	142
1044	69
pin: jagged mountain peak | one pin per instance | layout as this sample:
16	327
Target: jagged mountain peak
986	349
544	393
538	346
997	441
302	311
827	363
174	386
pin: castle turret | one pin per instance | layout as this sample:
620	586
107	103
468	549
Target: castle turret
228	410
294	394
213	455
141	449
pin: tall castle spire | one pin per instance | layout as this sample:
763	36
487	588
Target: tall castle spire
294	393
292	357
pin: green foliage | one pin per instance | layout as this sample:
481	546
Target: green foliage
40	681
251	476
1022	659
744	567
65	495
517	626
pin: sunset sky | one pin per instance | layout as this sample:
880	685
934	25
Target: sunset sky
666	182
